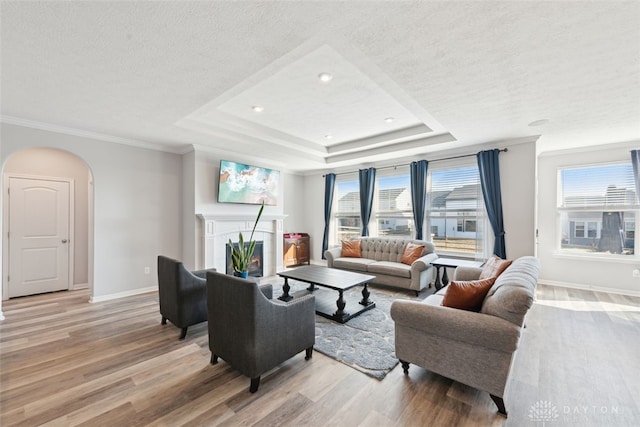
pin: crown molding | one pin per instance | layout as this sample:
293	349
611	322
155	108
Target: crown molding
10	120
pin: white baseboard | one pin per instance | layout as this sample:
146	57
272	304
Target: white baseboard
77	286
123	294
1	315
605	289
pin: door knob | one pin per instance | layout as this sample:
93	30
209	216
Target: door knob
64	240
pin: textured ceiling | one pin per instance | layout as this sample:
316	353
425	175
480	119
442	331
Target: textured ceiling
453	74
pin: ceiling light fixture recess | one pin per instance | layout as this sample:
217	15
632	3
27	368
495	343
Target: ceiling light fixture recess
325	77
257	108
389	119
538	123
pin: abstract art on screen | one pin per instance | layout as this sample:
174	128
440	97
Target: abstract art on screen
240	183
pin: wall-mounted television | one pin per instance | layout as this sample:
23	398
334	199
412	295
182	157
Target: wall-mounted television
240	183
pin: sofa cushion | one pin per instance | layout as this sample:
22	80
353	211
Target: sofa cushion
358	264
513	292
351	249
380	249
411	253
494	267
467	295
390	268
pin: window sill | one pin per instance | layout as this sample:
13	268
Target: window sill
620	259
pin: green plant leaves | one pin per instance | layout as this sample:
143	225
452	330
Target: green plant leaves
241	255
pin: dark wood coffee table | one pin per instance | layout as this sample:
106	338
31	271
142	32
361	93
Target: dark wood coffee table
335	279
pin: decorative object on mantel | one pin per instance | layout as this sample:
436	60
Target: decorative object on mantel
241	254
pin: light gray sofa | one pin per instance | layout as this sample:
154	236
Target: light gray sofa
381	257
474	348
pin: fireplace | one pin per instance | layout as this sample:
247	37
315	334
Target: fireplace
218	229
257	260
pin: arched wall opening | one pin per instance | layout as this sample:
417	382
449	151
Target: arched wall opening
52	163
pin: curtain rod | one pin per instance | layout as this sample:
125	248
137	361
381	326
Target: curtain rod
436	160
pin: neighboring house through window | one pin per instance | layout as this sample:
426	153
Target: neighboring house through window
455	210
597	207
348	224
392	207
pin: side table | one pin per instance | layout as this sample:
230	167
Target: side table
452	263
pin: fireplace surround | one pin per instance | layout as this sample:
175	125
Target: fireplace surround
218	229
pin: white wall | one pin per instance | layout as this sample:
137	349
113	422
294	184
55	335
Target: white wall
189	221
612	274
314	213
137	205
206	178
295	207
1	221
518	185
54	163
517	181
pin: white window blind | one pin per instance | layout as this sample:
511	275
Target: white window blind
607	186
598	208
347	211
455	210
394	213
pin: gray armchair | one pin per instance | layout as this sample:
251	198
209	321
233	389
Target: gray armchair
251	331
183	296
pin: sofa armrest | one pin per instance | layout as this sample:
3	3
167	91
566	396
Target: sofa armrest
423	263
460	325
466	273
331	254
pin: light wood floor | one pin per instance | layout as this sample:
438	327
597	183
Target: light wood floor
67	362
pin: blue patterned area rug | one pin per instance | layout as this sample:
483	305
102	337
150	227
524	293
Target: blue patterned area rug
366	342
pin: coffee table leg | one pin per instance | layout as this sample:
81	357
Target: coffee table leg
311	287
285	291
341	304
365	295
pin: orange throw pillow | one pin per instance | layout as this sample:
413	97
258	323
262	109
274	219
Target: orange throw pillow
494	267
411	253
351	249
467	295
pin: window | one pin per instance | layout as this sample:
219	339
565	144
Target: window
597	207
393	210
590	226
455	211
348	224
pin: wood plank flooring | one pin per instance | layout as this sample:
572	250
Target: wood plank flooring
66	362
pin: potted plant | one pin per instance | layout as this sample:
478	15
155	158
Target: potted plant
241	254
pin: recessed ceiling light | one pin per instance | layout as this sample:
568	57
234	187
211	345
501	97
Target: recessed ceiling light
257	108
328	136
389	119
325	77
538	123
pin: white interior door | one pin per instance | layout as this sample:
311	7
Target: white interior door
38	236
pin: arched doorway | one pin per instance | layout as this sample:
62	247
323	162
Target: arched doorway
46	174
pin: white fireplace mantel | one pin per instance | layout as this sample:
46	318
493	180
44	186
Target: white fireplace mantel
218	229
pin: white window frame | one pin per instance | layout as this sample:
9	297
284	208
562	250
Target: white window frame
596	210
484	237
390	215
336	214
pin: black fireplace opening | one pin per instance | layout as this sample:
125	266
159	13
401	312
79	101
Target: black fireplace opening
256	264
